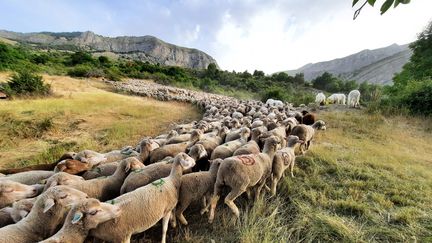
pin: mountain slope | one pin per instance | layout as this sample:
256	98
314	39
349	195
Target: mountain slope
374	66
144	48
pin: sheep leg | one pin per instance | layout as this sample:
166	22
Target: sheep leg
214	200
258	190
173	219
292	168
165	221
229	199
179	212
275	181
204	204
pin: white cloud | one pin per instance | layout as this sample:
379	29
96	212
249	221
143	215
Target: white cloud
277	38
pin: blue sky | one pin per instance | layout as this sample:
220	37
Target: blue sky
269	35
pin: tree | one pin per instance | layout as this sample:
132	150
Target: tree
80	57
258	73
212	70
420	65
324	81
299	79
384	7
104	60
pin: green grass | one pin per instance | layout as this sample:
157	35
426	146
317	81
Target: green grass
80	115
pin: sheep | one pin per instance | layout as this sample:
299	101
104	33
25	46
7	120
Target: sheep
147	175
210	142
11	191
73	166
339	99
100	188
173	149
227	149
101	170
308	118
144	207
5	216
243	172
236	134
199	153
320	99
44	218
21	208
306	133
29	177
178	139
283	159
354	98
84	215
95	158
250	147
196	186
48	167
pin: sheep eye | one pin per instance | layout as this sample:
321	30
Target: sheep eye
94	212
64	196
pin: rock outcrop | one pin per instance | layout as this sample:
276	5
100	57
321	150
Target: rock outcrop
143	48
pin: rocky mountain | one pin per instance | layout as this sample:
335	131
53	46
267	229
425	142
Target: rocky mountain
144	48
375	66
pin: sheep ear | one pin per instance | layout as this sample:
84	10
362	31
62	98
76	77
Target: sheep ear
54	183
49	203
77	217
23	213
128	166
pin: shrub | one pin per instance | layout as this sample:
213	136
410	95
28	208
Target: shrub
26	83
79	71
417	98
273	93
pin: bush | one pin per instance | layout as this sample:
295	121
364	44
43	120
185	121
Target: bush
273	93
417	98
26	83
79	71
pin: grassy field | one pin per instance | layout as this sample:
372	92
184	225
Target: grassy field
82	114
367	178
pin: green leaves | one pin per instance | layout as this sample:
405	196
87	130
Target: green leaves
387	4
355	2
371	2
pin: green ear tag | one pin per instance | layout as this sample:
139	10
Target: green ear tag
112	202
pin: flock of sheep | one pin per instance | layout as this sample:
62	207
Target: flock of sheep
245	146
340	99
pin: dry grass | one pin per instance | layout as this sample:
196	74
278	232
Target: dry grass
82	114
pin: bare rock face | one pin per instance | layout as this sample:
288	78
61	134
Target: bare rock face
143	48
374	66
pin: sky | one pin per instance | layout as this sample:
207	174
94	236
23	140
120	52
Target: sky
268	35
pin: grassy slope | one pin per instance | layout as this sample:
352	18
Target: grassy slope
82	114
366	178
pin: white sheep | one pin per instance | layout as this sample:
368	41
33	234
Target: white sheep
84	215
339	99
354	98
46	215
320	98
11	191
145	206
